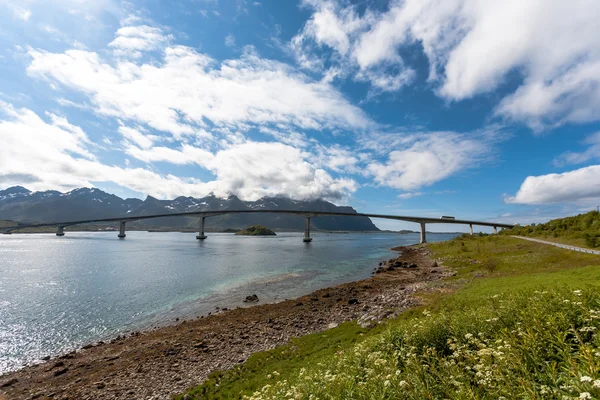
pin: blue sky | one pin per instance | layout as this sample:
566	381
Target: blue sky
477	109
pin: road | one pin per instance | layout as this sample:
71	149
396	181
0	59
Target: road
563	246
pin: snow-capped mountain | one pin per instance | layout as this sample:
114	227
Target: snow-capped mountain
19	204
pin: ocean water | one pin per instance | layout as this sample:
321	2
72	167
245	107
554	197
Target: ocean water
59	293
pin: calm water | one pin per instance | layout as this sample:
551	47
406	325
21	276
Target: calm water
57	294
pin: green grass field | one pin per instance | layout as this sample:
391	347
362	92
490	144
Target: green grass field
581	230
520	321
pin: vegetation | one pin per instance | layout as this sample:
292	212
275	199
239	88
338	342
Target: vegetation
519	320
256	230
580	230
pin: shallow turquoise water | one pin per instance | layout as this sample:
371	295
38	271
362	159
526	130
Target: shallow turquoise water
58	293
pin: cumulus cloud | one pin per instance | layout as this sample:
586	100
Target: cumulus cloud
423	159
472	47
185	90
253	170
53	154
179	106
575	186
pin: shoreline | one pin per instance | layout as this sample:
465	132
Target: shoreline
167	360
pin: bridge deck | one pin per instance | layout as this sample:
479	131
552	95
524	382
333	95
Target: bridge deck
311	214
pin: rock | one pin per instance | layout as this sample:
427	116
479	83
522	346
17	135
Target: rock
298	304
60	371
413	266
171	352
332	325
68	356
353	301
9	382
87	346
99	385
46	358
251	299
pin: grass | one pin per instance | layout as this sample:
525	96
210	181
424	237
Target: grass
521	323
284	361
581	230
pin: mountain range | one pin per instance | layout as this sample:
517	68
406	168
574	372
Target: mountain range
20	204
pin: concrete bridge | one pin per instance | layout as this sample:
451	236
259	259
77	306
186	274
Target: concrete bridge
306	214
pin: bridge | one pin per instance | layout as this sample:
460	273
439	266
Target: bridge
202	215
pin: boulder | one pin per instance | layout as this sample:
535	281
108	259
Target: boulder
251	299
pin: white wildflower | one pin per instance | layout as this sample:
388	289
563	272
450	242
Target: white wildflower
585	395
596	384
585	378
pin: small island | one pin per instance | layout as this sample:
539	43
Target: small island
256	230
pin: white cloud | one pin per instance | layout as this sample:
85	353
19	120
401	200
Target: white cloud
53	154
136	137
252	170
340	28
337	158
577	186
473	46
423	159
186	89
22	13
132	41
410	195
592	152
230	40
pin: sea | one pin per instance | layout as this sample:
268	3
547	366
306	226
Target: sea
60	293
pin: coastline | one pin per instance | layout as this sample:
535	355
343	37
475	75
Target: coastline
167	360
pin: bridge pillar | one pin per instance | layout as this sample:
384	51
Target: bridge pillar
471	229
121	234
307	237
201	235
60	231
495	230
423	234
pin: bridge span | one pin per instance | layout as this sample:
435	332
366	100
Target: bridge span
202	215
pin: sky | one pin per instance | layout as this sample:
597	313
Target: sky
471	108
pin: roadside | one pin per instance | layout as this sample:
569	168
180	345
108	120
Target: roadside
563	246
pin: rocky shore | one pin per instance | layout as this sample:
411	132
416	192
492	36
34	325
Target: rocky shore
158	363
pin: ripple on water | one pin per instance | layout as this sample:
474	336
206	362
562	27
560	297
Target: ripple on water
59	293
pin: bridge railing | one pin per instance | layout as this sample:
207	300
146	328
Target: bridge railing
202	215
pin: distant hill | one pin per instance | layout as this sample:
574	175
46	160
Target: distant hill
581	230
20	204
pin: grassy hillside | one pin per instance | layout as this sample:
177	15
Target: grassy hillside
581	230
519	320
